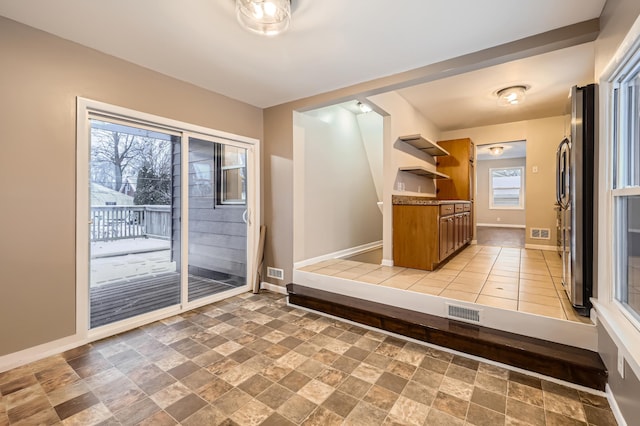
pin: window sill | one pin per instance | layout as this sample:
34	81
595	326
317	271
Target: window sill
625	336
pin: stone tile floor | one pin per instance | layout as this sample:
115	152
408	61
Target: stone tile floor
253	360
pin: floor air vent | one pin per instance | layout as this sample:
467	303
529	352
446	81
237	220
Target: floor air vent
275	273
540	233
464	314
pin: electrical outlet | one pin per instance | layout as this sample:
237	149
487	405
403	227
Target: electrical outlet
498	219
621	364
534	169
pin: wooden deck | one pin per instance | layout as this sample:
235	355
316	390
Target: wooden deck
128	298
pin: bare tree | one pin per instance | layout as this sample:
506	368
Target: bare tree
112	155
154	177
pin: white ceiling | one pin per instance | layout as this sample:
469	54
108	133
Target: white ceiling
470	100
330	44
516	149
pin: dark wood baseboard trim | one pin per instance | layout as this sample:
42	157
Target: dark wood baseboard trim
568	363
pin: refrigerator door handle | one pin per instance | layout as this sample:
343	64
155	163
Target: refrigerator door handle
562	177
566	193
558	173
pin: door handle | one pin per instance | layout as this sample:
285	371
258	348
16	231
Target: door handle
558	172
562	173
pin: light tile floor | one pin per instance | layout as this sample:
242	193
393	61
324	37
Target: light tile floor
253	360
504	277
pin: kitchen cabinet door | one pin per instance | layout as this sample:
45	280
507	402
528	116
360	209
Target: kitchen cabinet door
459	166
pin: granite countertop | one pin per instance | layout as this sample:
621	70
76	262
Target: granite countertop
407	200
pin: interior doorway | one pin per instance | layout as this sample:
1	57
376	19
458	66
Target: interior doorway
500	200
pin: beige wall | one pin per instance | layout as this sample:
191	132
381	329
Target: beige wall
40	78
498	217
372	131
543	137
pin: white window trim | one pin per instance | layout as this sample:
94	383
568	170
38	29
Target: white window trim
519	206
610	313
89	108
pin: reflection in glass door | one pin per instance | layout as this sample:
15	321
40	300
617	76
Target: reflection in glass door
217	218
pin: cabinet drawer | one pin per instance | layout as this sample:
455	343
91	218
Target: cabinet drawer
466	207
446	209
459	208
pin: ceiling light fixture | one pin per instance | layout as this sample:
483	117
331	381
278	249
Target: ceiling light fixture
264	17
364	107
513	95
496	150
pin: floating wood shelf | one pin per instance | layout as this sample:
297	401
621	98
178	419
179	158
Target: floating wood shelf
423	144
422	171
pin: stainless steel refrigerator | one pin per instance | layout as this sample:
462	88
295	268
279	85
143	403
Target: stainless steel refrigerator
575	199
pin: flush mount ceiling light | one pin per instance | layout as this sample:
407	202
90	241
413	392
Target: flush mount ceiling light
496	150
513	95
364	107
264	17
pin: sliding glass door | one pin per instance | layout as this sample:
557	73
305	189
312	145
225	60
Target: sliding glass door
169	218
133	245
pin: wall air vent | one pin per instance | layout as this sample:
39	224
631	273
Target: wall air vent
463	314
540	233
275	273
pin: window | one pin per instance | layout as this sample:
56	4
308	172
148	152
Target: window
233	175
506	188
626	188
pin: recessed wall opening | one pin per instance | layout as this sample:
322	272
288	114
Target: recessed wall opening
338	182
501	194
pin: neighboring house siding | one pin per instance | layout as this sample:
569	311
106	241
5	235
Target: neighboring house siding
217	233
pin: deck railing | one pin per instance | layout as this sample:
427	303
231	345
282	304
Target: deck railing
110	223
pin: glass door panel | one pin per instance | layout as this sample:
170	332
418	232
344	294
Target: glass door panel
217	215
134	247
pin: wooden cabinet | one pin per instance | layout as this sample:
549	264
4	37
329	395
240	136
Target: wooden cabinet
459	166
447	237
426	235
416	236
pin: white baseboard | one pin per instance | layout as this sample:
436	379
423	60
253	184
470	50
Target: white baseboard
540	247
500	225
273	287
614	407
338	254
387	262
35	353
